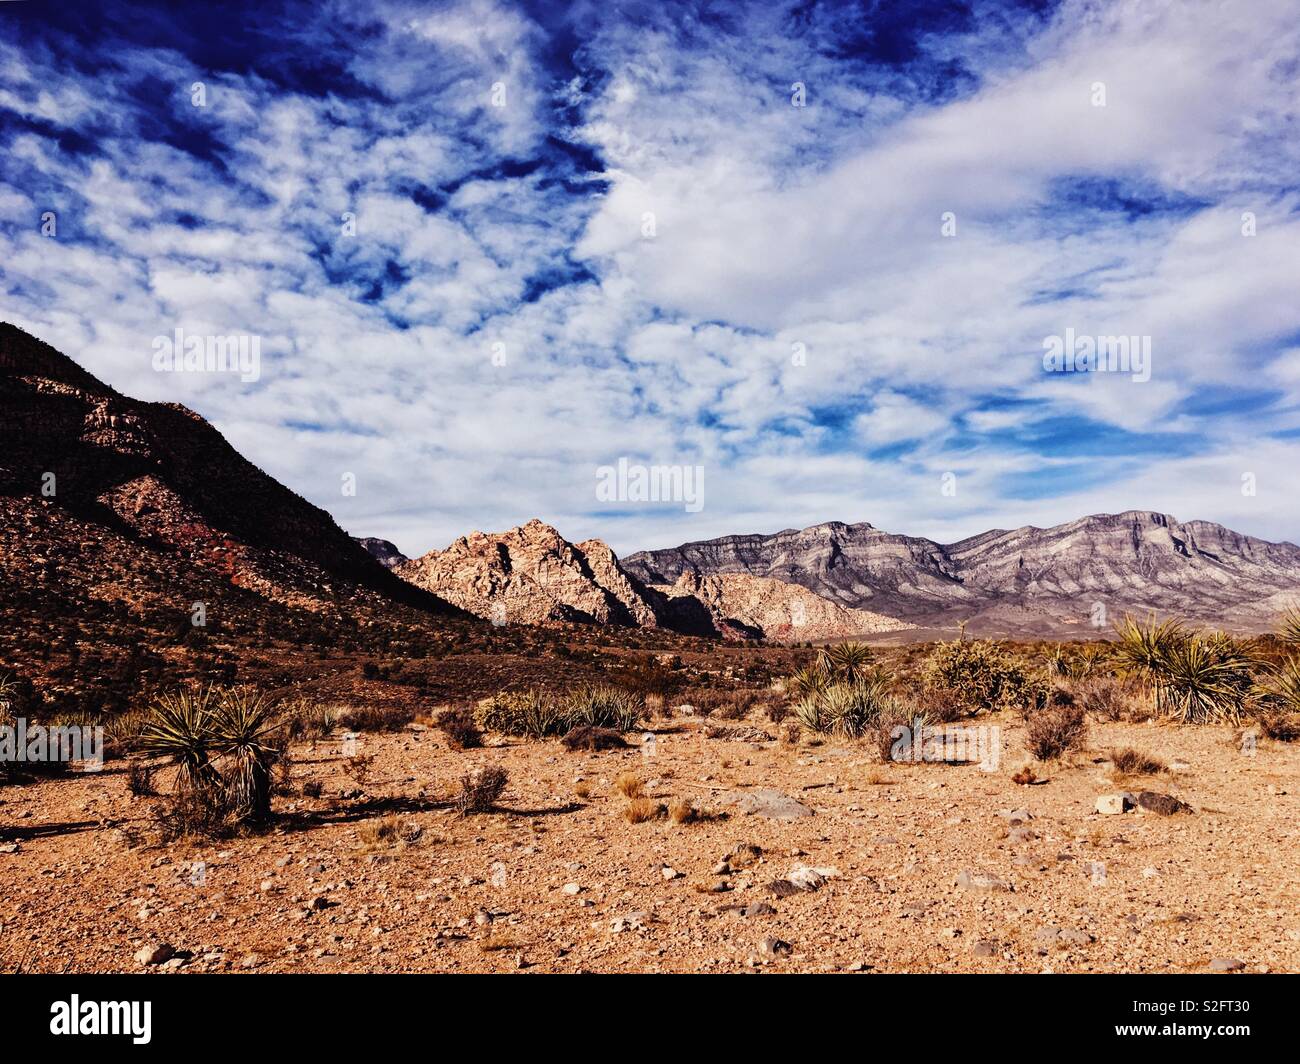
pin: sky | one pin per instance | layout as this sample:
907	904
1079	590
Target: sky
807	258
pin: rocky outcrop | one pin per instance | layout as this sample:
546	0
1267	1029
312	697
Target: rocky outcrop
385	553
741	605
532	575
1029	580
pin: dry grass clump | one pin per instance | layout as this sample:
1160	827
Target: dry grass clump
480	790
682	811
1130	762
139	779
305	718
536	714
1111	698
582	790
1056	729
386	831
458	726
639	810
629	785
372	718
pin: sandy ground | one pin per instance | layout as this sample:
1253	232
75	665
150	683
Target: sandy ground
558	882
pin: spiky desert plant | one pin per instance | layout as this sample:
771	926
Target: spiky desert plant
809	712
180	727
810	680
1289	627
1143	649
847	662
1202	679
531	714
246	730
602	706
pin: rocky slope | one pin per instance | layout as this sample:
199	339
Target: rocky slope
122	521
1024	581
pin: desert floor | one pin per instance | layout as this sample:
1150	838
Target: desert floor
558	881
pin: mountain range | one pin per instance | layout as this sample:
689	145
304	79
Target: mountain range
1033	581
135	540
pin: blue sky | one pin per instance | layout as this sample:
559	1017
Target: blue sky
504	320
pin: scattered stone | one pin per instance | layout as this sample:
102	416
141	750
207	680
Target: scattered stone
250	960
1163	804
722	868
970	880
1111	804
671	873
745	854
1020	834
1015	816
985	947
774	947
158	954
1226	964
571	888
772	804
319	903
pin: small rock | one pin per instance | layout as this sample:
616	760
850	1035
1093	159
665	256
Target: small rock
671	873
772	804
571	888
774	947
1163	804
969	880
158	954
985	947
1111	804
1226	964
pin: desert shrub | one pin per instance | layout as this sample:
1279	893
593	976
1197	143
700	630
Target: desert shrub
602	706
305	718
1110	698
1203	679
844	709
639	810
531	714
388	831
1135	763
682	811
893	730
371	718
1280	725
196	727
458	726
1055	729
139	779
980	675
846	662
480	790
629	785
246	733
777	711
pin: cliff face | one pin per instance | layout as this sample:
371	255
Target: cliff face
1024	580
532	575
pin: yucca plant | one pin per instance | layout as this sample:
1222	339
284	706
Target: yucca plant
180	726
602	706
1142	650
810	680
846	662
1289	627
1202	679
809	711
245	729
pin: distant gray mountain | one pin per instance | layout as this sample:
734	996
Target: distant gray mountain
1026	581
385	553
